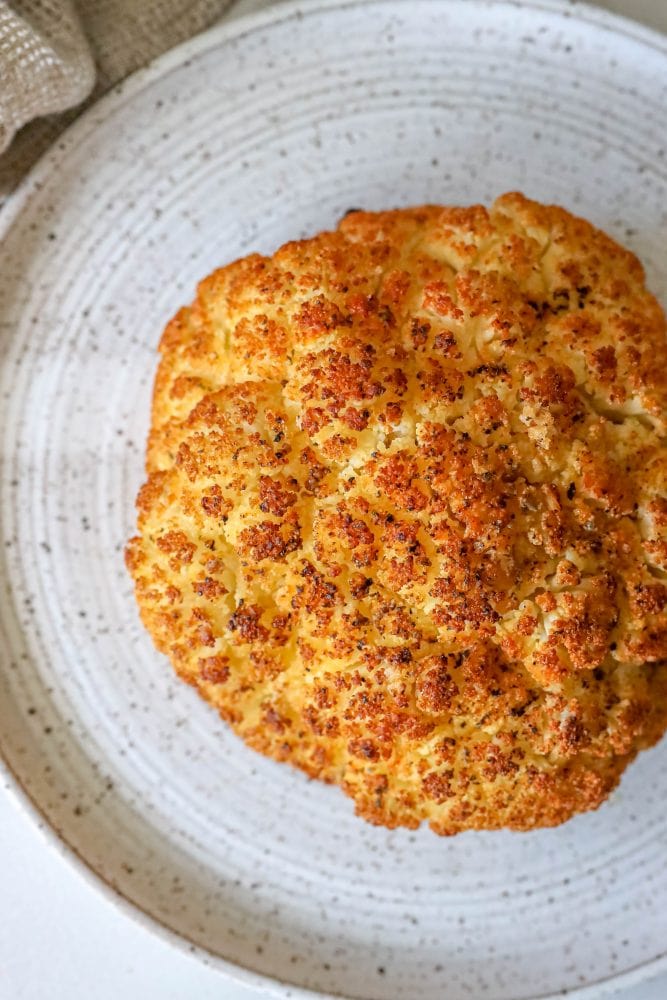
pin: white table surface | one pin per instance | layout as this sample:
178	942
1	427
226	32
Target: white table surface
61	940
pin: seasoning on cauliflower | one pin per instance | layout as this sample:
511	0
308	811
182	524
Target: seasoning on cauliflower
405	517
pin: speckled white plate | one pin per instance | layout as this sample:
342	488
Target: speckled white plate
247	136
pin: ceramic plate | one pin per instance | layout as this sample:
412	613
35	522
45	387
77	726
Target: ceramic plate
252	134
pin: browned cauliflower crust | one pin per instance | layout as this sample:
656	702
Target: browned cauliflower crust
404	523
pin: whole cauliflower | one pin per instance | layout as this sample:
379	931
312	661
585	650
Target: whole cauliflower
404	523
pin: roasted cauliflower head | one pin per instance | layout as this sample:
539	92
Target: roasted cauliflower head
404	522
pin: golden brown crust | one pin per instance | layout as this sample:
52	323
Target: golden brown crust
405	518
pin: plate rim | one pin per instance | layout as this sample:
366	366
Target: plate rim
86	123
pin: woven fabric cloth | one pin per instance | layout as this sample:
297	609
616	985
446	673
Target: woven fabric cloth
45	62
56	56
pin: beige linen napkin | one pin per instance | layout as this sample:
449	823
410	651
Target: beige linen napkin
56	54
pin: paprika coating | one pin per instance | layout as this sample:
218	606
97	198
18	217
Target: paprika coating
405	520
